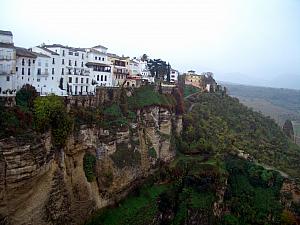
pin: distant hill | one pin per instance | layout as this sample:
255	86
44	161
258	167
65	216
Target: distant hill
278	103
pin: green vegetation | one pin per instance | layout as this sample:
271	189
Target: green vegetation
89	163
146	96
152	152
26	96
134	210
50	112
253	193
188	90
220	124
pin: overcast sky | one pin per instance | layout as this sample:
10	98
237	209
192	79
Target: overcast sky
244	41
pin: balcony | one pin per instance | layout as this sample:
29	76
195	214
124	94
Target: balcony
6	72
4	57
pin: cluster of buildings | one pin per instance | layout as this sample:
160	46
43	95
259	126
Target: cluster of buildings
62	70
204	81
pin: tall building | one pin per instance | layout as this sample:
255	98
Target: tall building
100	66
75	75
120	66
7	64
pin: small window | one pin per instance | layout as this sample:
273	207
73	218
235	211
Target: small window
70	53
52	78
97	77
38	80
33	61
39	71
28	71
102	59
87	80
63	61
53	61
75	63
81	64
53	71
105	78
70	79
70	62
62	71
23	62
29	62
16	69
76	80
82	80
95	57
63	53
7	78
76	54
22	71
101	77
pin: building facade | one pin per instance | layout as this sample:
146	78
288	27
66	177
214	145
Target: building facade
100	66
7	64
120	68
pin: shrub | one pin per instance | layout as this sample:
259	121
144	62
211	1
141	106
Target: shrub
25	96
89	163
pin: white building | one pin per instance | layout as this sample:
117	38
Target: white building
120	68
174	76
100	66
53	84
76	79
7	64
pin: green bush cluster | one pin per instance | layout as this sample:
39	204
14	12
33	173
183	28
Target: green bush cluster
89	163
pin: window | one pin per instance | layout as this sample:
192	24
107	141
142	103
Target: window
29	62
86	88
39	71
70	53
75	63
16	69
105	78
76	80
101	77
87	80
38	80
22	71
52	78
81	64
102	59
97	77
33	61
7	78
52	71
63	52
62	71
28	71
53	61
70	79
76	54
82	55
95	57
63	62
23	62
82	80
70	62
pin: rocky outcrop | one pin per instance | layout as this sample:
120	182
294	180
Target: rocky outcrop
40	185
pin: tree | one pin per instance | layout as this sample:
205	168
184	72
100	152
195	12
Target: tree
144	58
158	68
288	129
26	96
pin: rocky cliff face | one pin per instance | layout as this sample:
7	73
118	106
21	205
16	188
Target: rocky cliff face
40	185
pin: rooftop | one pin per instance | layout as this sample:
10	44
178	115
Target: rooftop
23	52
64	46
99	46
4	32
112	55
48	50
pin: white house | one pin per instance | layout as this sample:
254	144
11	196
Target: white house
7	64
53	84
76	79
174	76
120	68
99	65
